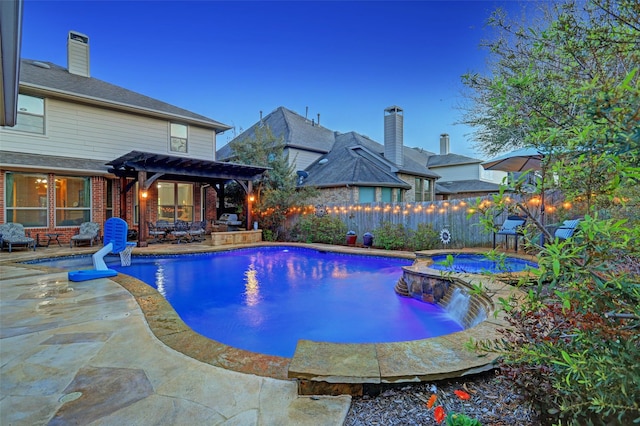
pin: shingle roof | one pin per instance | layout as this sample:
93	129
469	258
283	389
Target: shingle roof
353	159
446	160
55	80
51	162
295	130
350	162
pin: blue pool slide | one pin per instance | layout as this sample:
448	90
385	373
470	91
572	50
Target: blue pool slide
115	240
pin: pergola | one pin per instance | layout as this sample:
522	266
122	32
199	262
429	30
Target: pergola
145	168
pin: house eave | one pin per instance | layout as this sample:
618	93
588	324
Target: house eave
118	106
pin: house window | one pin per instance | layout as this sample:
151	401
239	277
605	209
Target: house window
30	116
366	195
423	189
73	200
427	190
178	142
386	195
175	201
418	188
26	199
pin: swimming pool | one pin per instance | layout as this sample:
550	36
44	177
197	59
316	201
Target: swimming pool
264	299
479	263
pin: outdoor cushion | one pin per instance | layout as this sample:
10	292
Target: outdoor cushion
14	234
511	226
88	232
567	229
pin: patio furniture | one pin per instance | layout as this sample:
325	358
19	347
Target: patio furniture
567	229
197	230
52	236
13	234
180	232
511	227
156	233
88	232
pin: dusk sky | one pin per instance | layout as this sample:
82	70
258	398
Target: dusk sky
226	60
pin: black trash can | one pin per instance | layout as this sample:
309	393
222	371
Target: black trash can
367	240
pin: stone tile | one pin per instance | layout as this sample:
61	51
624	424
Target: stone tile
275	398
28	410
323	411
69	338
231	393
103	391
26	379
335	363
162	410
28	329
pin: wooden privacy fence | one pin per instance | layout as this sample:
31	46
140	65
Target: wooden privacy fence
453	215
450	215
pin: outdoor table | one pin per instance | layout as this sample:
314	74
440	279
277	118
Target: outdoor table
52	236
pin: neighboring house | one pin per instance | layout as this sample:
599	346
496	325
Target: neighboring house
85	150
349	167
461	176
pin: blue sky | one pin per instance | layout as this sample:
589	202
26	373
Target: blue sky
347	61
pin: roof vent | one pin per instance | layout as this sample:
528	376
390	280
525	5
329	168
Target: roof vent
78	54
41	65
323	161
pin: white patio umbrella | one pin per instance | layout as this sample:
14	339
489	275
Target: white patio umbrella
521	160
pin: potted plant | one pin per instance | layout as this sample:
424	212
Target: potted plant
351	238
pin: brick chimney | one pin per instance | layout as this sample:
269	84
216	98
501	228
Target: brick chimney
393	135
78	54
444	144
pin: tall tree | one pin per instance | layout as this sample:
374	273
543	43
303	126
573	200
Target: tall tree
569	85
276	191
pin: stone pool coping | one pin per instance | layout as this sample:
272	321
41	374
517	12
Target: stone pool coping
320	367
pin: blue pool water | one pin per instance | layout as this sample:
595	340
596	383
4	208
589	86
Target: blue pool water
265	299
478	263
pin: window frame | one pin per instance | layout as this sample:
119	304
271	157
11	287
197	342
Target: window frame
176	208
11	211
83	205
20	126
178	143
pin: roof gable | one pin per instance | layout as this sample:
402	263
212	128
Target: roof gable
295	130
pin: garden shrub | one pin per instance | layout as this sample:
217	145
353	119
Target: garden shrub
391	236
573	345
423	238
326	229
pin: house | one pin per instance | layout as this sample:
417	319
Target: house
461	176
10	36
349	167
85	150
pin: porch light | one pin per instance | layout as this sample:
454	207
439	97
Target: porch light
144	194
252	198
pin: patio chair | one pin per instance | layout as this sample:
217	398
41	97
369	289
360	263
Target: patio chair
197	231
180	232
88	232
567	229
511	227
157	234
13	234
